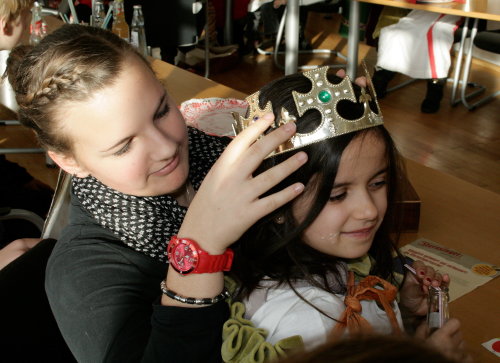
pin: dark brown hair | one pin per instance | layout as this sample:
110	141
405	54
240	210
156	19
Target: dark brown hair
276	250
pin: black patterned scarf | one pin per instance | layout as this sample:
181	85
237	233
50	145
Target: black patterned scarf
147	223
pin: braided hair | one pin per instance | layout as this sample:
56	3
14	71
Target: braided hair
69	65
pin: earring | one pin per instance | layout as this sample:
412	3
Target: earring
279	220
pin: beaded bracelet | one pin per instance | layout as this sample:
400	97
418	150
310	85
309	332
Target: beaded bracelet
192	300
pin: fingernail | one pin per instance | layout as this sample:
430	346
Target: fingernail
290	126
301	156
427	279
298	188
421	273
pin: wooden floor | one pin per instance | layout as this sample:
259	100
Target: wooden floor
455	141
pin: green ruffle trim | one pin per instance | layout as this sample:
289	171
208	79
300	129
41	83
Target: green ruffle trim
244	343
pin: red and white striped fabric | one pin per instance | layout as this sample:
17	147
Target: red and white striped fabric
418	45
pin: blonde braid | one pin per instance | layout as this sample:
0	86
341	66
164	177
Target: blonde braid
69	65
51	88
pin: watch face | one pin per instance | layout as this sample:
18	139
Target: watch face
183	257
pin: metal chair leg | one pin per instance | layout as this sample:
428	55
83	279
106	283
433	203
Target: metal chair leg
9	122
401	85
276	52
465	76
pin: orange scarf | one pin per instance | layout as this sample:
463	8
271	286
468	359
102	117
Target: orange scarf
365	290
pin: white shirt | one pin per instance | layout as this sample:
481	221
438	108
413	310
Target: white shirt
283	314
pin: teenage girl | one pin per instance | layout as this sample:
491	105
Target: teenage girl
104	118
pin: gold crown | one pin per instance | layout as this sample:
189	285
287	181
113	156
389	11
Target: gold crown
324	97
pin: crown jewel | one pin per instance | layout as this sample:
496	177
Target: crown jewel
254	112
324	97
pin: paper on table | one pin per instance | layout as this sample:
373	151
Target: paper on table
466	272
493	346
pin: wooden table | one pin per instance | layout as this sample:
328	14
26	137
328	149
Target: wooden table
184	85
481	9
466	218
471	9
478	9
454	213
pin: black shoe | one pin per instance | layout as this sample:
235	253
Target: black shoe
380	80
434	95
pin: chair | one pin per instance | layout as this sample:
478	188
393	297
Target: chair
8	214
485	40
459	37
58	215
329	6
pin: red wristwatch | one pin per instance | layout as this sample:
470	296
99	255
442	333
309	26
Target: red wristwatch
186	256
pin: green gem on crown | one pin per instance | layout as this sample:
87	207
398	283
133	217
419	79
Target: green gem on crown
324	96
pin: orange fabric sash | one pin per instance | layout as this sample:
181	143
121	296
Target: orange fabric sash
365	290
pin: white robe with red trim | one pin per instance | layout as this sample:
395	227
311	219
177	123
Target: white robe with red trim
418	45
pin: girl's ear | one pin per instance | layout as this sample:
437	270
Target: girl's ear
68	164
4	27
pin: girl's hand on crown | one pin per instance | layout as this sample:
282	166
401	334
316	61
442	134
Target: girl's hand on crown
228	202
447	340
415	289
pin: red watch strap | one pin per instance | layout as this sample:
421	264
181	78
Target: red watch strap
206	263
214	263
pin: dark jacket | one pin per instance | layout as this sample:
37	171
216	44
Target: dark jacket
105	297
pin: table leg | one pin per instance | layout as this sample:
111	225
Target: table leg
353	39
458	65
228	23
207	44
466	71
292	37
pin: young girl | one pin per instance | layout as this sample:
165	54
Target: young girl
293	265
104	118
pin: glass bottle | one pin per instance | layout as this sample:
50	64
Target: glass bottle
438	312
120	26
137	31
38	27
98	14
